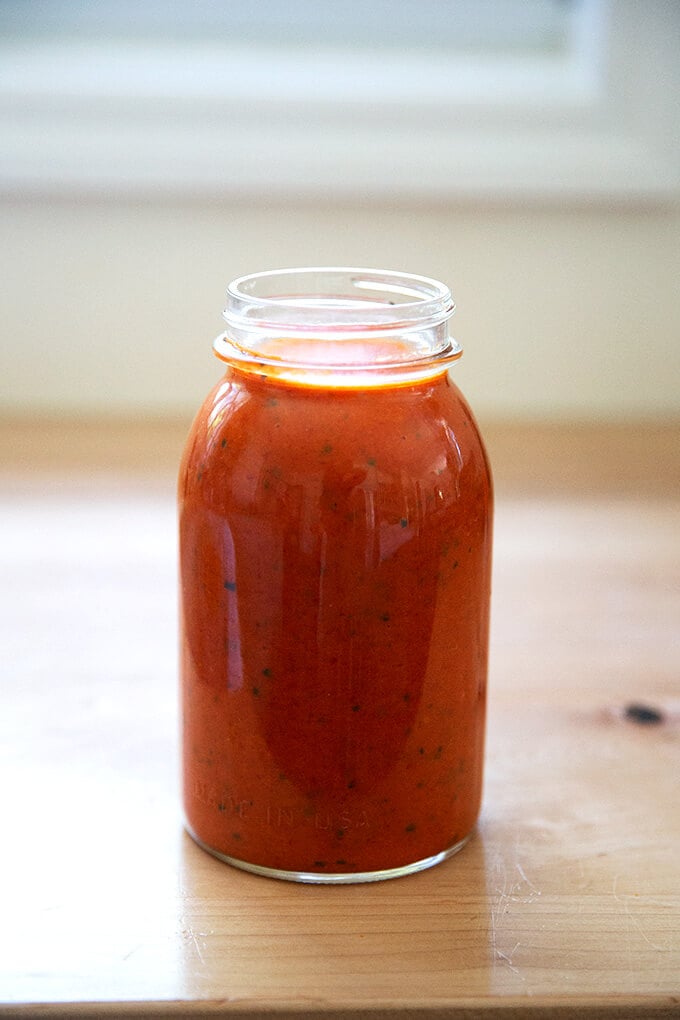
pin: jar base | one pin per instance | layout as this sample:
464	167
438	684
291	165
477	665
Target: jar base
334	878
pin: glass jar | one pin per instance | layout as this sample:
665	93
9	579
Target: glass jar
335	546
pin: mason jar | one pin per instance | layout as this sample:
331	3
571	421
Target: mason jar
335	506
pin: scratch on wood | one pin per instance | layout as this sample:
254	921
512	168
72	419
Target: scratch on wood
525	879
625	901
189	933
498	909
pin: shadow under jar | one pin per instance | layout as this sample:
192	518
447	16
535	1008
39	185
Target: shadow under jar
335	555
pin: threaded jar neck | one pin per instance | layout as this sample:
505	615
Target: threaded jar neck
341	325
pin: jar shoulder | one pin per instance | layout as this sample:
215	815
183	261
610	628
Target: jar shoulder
257	434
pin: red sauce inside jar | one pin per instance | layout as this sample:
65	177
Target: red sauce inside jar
335	575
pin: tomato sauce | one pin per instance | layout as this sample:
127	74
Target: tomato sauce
335	582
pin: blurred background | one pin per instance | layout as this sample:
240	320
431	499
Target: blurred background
526	152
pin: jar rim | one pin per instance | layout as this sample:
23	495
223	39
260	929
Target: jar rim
338	318
326	292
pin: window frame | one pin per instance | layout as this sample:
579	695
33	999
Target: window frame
188	119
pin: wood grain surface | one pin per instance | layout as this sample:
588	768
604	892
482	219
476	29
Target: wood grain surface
566	902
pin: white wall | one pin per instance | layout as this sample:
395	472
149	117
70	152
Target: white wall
111	306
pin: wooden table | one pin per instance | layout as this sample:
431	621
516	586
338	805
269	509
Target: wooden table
566	903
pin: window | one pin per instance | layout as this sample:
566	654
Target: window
393	98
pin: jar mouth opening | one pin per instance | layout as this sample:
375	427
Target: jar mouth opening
338	318
337	298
